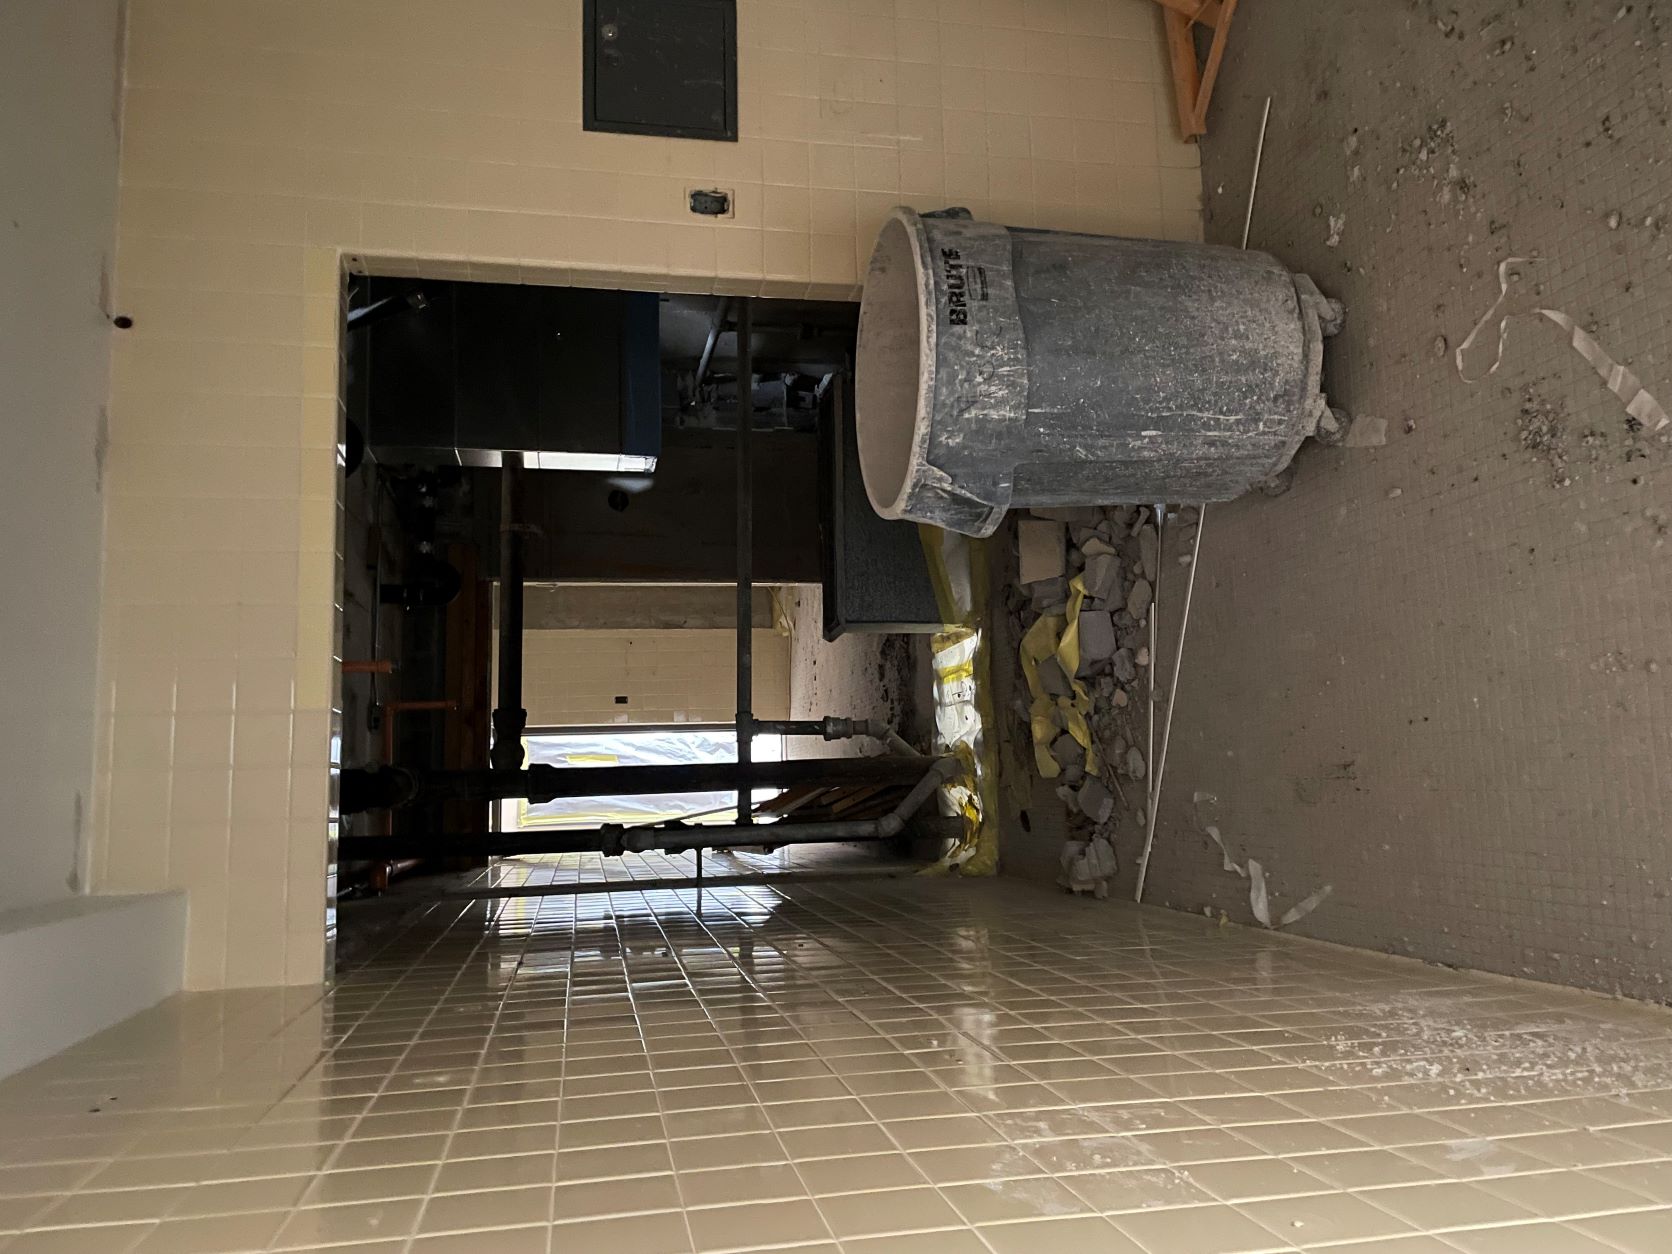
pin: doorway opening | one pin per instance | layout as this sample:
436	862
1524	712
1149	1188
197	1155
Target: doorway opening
592	539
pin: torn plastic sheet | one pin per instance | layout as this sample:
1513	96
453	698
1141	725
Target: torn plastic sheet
1058	636
1259	894
1258	900
628	747
963	698
1625	385
1213	834
1297	912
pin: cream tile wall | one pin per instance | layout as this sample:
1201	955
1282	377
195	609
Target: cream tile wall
270	142
573	678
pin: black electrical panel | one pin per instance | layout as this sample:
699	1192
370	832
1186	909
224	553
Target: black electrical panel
661	67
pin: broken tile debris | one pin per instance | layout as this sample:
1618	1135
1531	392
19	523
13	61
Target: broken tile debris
1138	600
1097	639
1103	579
1041	549
1096	802
1094	568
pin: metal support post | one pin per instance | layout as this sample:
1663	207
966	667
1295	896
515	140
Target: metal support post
509	717
745	566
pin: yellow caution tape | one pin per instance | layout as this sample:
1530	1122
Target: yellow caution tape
963	697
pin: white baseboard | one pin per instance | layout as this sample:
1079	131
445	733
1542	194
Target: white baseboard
71	968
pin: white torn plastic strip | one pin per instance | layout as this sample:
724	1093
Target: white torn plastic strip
1619	380
1258	901
1259	895
1297	912
1213	834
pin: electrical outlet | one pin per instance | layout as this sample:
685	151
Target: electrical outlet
711	202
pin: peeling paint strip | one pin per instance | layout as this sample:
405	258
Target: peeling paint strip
1297	912
1258	899
1259	895
1213	834
1618	379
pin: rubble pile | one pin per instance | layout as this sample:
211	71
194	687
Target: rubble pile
1081	610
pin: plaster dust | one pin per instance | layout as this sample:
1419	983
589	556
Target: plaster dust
1434	674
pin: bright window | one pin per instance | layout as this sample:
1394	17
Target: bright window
636	747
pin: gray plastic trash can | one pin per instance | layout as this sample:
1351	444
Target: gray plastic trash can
1002	367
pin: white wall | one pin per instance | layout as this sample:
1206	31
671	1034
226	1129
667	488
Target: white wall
59	66
75	967
684	675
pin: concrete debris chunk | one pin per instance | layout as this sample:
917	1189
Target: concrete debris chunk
1149	552
1087	866
1041	548
1096	802
1096	546
1049	595
1135	766
1071	862
1084	515
1097	638
1103	577
1068	751
1138	600
1124	668
1367	431
1072	775
1052	678
1120	698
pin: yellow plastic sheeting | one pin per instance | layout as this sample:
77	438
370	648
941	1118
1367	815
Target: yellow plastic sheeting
963	697
1058	635
1039	642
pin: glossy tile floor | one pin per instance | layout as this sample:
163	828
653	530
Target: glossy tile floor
922	1067
538	870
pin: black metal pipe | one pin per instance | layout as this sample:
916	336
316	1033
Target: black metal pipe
367	789
509	716
745	561
614	839
601	840
829	727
